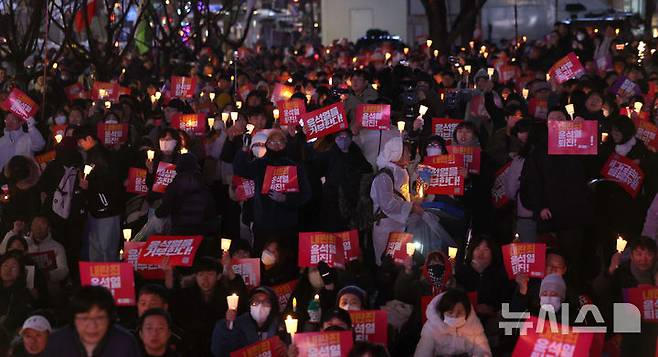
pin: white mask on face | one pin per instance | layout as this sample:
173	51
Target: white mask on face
455	322
258	151
267	258
554	301
111	121
260	313
433	151
60	119
167	145
350	307
315	279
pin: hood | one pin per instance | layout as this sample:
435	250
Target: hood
472	326
447	271
391	152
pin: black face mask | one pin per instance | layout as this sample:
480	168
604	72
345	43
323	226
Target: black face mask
436	272
276	154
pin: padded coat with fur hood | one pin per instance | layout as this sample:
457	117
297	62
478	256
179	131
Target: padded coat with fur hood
439	339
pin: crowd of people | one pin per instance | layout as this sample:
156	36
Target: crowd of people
357	178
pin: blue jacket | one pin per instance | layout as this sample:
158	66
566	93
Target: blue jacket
117	342
244	333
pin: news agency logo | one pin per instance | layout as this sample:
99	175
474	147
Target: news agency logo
626	319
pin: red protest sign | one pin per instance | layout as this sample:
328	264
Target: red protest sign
645	298
315	247
116	277
526	258
444	127
396	246
572	137
374	116
370	325
538	108
280	179
163	176
124	91
20	104
179	249
272	347
625	172
317	344
646	131
244	188
283	293
249	270
45	261
281	92
471	156
131	251
112	134
75	91
568	67
105	91
291	111
183	87
324	121
136	181
194	124
498	194
45	158
351	246
549	342
442	174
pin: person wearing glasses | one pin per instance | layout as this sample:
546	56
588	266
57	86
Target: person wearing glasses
92	332
260	323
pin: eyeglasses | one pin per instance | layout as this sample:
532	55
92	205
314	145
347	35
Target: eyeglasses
265	303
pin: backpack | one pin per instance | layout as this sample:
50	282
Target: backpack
63	194
365	216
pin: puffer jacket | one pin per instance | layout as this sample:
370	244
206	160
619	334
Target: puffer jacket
437	338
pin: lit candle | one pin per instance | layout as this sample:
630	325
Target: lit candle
58	138
87	170
226	244
158	94
275	113
108	104
436	53
225	117
153	99
452	252
638	107
121	253
211	122
150	155
621	244
211	95
490	72
617	31
183	151
570	110
308	97
428	43
294	304
127	233
467	68
250	128
604	137
238	104
406	51
387	56
232	302
234	116
422	110
525	92
291	325
411	248
401	126
421	191
102	93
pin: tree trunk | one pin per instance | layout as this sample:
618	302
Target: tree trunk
649	9
437	18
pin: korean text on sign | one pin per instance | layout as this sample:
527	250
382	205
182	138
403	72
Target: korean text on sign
551	343
525	258
112	134
20	104
164	175
498	194
396	246
180	250
323	344
569	67
645	298
265	348
374	116
136	181
315	247
131	252
283	293
370	325
324	121
183	87
444	127
116	277
572	137
280	179
624	172
291	111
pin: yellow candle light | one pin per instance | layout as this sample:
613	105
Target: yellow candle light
411	249
276	114
226	244
621	244
127	234
401	125
58	138
150	155
452	252
291	325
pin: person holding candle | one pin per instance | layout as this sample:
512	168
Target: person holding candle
261	322
102	191
197	307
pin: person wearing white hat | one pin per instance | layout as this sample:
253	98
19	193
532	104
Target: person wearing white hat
34	336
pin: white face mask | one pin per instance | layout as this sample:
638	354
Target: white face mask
60	119
455	322
111	121
554	301
168	145
433	151
267	258
315	279
350	307
258	151
260	313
